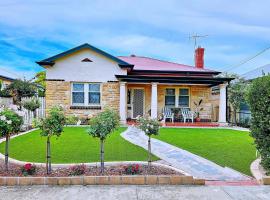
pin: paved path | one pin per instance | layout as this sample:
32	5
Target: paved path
135	192
183	160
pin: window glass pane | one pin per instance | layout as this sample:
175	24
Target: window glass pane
94	97
170	100
77	97
184	101
183	92
170	91
78	87
94	87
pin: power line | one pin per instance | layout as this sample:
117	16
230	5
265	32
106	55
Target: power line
247	60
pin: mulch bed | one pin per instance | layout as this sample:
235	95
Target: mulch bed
15	170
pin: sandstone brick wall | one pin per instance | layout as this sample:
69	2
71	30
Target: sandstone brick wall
59	93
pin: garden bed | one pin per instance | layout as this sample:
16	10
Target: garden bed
16	170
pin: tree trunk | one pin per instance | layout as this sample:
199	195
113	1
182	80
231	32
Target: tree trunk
35	114
48	160
149	153
235	117
6	152
102	156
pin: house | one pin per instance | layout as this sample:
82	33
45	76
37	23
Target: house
86	79
5	79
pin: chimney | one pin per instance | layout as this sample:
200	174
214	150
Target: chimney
199	60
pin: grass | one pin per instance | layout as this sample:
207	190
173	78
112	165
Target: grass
225	147
74	146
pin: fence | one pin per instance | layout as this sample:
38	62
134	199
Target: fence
6	101
242	118
29	116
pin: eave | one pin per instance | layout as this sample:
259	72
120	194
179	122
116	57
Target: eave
211	81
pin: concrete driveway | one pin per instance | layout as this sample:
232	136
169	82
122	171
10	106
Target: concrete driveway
135	192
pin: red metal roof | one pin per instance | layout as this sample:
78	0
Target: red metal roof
146	63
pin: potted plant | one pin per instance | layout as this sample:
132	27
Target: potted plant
197	110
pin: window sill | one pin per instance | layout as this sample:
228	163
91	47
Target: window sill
86	107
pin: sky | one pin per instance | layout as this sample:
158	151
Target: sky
31	30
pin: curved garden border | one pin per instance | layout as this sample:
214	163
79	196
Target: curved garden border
259	173
98	180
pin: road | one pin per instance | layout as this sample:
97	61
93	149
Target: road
135	192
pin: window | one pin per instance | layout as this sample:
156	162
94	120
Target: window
129	96
78	93
84	94
170	97
183	97
94	93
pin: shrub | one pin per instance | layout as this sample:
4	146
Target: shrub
103	124
52	126
132	169
77	170
32	105
259	101
28	169
72	119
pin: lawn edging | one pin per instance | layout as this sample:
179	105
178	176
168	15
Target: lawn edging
258	172
102	180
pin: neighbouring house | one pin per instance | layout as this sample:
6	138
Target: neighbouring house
5	80
86	79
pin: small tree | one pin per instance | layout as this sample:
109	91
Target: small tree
259	101
52	126
40	80
150	127
32	105
101	126
10	122
21	88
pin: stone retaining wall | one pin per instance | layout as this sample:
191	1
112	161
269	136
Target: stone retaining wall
102	180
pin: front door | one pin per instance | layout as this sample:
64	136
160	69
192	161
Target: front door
138	102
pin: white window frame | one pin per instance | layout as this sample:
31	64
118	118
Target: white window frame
86	94
183	95
175	96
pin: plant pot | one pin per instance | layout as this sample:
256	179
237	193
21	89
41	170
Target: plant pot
197	119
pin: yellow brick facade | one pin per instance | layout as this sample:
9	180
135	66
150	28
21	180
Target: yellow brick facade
59	93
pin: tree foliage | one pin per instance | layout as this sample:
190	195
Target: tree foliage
259	101
21	88
40	80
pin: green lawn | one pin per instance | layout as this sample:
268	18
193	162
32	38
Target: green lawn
74	146
225	147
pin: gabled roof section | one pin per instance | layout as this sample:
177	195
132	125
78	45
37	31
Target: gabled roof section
50	61
147	64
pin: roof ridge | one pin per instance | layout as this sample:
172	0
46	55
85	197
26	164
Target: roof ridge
158	60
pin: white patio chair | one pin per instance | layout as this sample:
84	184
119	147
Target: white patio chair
187	114
167	114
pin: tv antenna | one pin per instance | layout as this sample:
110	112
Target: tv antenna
195	37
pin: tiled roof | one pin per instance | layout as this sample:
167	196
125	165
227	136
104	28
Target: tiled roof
146	63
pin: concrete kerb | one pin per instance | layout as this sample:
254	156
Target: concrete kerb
258	172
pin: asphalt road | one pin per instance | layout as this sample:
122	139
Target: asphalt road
135	192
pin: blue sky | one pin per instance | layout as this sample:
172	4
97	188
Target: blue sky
31	30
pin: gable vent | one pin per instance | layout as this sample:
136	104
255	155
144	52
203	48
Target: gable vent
87	60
